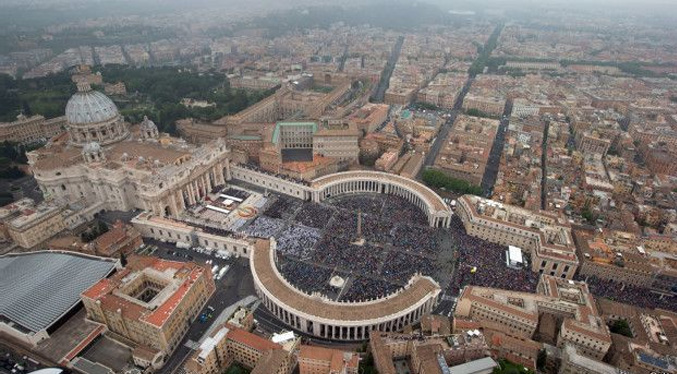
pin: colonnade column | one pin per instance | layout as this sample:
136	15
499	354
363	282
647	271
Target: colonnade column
174	206
189	193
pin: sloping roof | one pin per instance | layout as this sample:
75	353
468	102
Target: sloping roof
38	288
476	366
279	125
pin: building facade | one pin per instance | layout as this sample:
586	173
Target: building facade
546	236
518	314
151	302
32	129
230	344
101	160
319	360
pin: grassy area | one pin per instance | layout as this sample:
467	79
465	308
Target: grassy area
478	113
46	96
155	92
437	179
237	369
507	367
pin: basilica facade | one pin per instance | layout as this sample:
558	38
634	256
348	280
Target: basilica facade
104	161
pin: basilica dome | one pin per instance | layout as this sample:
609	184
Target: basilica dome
92	117
89	106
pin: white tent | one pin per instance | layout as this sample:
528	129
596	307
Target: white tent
515	256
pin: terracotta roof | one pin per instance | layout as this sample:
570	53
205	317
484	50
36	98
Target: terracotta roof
270	362
103	290
117	234
55	158
334	357
253	341
148	151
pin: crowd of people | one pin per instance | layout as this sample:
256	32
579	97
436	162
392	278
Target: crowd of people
399	209
298	241
314	215
629	294
399	243
306	277
339	252
421	240
282	207
367	204
264	227
364	289
400	266
481	263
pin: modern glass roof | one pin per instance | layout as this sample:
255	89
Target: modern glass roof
38	288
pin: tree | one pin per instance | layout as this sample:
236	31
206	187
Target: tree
102	227
123	259
477	113
367	365
540	360
437	179
621	327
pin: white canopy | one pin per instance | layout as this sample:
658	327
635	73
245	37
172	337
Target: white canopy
515	254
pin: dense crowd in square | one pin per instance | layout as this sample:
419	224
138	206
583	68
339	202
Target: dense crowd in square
481	263
316	239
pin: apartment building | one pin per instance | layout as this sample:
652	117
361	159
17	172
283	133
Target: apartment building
151	302
492	106
37	223
604	259
32	129
575	363
369	117
517	314
318	360
428	354
338	142
229	344
547	236
466	148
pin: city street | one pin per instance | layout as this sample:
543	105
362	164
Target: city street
379	96
494	161
444	130
269	324
235	285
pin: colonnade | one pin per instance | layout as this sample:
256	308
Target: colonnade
346	330
376	186
195	189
